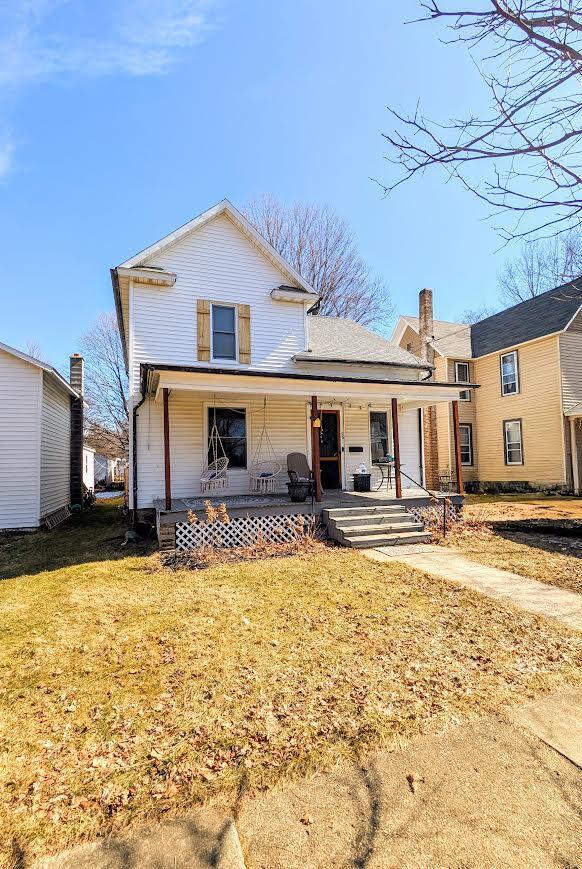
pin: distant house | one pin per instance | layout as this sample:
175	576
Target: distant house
109	470
522	426
41	440
88	467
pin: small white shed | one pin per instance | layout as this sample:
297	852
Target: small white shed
88	467
37	439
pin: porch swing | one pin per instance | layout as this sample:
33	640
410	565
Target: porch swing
263	471
214	477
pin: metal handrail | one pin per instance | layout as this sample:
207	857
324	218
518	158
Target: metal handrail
432	495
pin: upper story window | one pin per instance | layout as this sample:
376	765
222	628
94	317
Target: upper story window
224	336
462	376
509	373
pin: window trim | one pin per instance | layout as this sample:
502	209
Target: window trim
509	464
464	394
469	426
222	359
502	356
388	430
239	405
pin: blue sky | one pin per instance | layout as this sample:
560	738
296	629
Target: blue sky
118	125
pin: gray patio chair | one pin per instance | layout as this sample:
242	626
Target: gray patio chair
298	467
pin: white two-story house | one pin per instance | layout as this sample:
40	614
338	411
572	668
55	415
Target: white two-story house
230	373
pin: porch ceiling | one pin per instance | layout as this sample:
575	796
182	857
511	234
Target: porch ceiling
409	393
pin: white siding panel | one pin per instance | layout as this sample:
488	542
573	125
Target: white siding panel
217	263
571	367
55	468
20	396
409	448
287	428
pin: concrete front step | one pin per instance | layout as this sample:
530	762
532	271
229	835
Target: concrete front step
371	541
381	528
340	512
374	518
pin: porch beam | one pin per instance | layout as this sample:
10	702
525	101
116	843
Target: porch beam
457	438
396	439
167	466
315	463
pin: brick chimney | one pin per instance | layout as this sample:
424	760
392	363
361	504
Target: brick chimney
426	332
77	381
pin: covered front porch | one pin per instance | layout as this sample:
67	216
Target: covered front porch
341	426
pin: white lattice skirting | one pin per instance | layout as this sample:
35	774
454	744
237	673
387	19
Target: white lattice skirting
240	532
434	514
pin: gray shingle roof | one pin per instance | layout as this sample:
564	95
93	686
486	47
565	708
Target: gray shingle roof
450	339
340	340
544	314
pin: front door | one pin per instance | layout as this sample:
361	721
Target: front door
329	450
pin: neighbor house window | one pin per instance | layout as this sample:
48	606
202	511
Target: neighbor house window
462	376
231	423
378	435
466	443
509	373
513	442
223	332
409	347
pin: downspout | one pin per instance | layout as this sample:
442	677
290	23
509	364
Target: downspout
134	439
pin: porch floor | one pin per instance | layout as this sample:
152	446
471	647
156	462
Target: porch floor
332	498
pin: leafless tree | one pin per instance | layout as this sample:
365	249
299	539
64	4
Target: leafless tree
540	266
105	386
320	245
33	348
529	56
474	315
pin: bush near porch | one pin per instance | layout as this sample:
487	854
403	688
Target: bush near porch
131	692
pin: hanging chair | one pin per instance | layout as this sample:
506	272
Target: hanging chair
264	468
214	477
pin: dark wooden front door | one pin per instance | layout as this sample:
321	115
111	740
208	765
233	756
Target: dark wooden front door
330	450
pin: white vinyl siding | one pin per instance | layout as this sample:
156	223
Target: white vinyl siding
220	264
55	470
20	397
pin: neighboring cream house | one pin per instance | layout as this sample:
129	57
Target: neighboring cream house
522	428
217	333
41	440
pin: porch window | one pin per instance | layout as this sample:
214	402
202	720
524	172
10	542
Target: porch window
513	442
223	332
462	376
231	423
509	373
378	435
466	443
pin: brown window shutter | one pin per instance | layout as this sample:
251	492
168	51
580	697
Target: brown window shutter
203	330
244	334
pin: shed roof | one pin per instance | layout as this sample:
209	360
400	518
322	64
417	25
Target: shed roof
50	369
336	339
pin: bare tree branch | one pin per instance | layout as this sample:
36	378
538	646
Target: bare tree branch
105	387
321	247
532	135
541	266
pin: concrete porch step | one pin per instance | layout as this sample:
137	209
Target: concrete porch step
381	527
371	541
347	522
347	512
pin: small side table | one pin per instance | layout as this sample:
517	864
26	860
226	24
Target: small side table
386	471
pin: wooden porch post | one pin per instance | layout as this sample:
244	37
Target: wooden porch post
167	469
457	436
396	438
315	463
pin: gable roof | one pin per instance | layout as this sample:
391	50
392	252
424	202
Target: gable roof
449	339
336	339
545	314
40	364
222	208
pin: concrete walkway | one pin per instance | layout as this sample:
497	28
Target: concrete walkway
537	597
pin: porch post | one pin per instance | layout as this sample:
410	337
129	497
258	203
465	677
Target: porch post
315	463
396	438
167	470
574	451
457	436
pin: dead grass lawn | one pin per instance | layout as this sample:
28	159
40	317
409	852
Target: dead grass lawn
129	692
